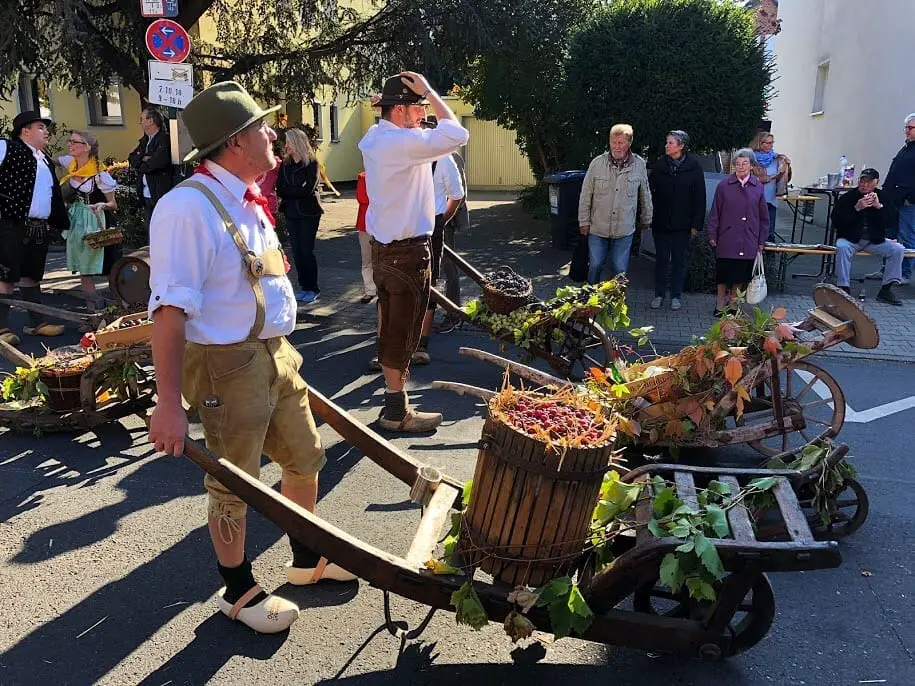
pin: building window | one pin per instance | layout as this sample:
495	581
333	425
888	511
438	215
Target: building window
316	119
34	95
105	109
819	93
334	124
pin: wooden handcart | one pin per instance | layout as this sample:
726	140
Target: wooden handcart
738	619
793	404
584	344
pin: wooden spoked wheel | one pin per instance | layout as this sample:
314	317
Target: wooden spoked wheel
847	511
806	389
584	344
749	625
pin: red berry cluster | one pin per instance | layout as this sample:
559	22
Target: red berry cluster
560	421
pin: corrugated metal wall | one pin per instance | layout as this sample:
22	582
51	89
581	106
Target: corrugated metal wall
493	159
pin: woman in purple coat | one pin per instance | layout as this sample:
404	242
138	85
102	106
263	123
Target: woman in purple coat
738	227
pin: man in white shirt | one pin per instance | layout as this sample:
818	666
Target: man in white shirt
31	210
222	306
449	196
397	156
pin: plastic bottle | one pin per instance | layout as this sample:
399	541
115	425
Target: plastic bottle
843	162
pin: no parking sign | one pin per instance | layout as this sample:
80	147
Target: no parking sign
168	41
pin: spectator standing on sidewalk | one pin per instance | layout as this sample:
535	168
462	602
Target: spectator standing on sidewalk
365	241
31	210
460	223
899	191
773	170
738	226
678	198
613	194
297	188
397	155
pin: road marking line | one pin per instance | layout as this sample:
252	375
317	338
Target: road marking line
865	416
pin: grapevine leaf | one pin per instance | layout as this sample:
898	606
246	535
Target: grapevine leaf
709	556
699	589
582	616
468	608
560	619
670	573
465	498
41	387
719	487
556	589
655	528
764	483
665	502
686	547
718	520
518	626
442	567
523	598
681	529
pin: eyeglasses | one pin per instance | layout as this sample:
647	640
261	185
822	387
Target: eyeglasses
75	142
909	128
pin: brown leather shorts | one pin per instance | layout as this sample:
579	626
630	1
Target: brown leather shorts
403	277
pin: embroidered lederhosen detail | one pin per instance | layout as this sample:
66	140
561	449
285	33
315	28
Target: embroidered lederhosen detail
268	263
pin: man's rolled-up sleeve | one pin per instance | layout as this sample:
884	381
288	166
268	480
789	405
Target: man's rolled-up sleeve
454	189
181	251
430	145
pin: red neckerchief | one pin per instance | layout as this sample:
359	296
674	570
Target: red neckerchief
252	193
250	196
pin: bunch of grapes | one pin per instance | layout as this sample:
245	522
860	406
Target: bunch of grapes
541	417
504	323
507	281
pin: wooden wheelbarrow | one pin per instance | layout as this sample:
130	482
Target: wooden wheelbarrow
738	619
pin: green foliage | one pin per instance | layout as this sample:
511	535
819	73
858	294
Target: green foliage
700	266
829	484
696	65
567	607
467	607
23	386
695	563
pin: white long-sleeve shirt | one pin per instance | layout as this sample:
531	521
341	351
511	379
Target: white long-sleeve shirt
40	207
398	176
196	267
446	182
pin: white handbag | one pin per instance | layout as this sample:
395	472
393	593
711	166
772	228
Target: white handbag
757	290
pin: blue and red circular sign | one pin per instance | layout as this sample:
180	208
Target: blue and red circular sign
168	41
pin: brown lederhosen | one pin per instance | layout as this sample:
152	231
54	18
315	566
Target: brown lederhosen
250	396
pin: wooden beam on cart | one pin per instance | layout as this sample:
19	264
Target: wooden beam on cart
49	311
15	356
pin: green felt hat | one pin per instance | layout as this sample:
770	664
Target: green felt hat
216	114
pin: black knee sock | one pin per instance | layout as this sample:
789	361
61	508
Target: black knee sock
303	557
395	405
32	294
239	580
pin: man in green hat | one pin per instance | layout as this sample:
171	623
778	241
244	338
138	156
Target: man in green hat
220	340
398	156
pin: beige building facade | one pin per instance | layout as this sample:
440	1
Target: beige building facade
845	83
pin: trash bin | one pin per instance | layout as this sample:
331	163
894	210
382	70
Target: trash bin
564	188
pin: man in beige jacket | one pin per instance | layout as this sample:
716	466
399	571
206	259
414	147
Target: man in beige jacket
613	195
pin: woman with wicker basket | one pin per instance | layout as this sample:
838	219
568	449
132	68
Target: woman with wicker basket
88	190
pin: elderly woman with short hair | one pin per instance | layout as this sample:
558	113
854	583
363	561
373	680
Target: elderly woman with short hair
774	171
612	193
678	195
738	226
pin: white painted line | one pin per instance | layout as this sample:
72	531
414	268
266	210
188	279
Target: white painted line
864	416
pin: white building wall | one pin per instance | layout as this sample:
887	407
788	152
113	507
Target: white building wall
870	46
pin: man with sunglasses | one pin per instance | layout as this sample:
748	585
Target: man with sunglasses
31	212
398	156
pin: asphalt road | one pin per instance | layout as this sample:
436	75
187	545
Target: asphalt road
108	575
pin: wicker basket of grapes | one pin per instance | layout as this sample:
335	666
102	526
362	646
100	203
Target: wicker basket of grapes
504	290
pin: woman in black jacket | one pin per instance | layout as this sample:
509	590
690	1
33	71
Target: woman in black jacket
297	188
678	195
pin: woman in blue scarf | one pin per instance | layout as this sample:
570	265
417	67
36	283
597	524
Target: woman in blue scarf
774	171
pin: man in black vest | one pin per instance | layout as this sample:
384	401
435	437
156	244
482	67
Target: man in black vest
152	158
31	211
